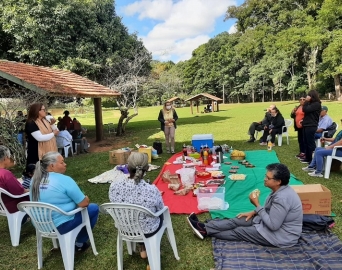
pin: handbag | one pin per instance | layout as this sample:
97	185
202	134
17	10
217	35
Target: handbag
158	146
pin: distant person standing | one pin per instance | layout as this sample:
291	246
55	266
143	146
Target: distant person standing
40	136
312	109
298	115
67	120
167	118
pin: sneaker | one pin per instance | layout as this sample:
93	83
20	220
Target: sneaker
193	217
308	169
262	143
197	227
304	161
84	247
314	174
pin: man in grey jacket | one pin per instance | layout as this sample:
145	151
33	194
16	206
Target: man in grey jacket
259	126
278	223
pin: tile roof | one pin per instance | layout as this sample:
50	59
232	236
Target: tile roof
56	82
204	95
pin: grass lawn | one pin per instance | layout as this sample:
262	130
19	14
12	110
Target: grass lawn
229	126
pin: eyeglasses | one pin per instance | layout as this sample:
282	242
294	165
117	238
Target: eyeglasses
302	99
268	178
43	110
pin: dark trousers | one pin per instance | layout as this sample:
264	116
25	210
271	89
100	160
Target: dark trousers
309	141
300	138
273	134
253	127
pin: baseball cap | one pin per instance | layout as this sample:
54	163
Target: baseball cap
324	108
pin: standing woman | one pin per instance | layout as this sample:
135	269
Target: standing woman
297	114
40	136
167	118
312	109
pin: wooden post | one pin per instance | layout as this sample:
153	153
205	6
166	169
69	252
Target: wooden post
98	119
192	111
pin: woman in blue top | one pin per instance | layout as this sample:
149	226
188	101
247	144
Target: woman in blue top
316	166
50	185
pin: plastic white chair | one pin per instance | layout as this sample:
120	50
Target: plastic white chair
284	132
324	134
126	219
328	161
257	132
41	217
60	145
14	220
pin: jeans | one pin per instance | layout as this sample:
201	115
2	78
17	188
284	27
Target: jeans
318	159
82	237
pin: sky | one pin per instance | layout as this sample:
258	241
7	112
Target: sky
172	29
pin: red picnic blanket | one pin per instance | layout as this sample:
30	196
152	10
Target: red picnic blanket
177	204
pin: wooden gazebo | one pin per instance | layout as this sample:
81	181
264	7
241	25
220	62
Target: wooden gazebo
59	83
214	101
174	99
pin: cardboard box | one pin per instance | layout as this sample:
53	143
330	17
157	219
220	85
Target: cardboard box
119	157
316	199
148	151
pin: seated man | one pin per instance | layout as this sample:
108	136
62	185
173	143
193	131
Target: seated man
64	138
277	224
79	138
260	125
315	168
9	182
324	122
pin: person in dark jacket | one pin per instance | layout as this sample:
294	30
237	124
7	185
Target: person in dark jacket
297	114
258	126
312	109
275	127
167	118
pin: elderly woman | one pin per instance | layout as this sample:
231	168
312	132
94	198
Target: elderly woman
9	182
135	190
167	118
315	168
40	136
50	185
275	127
278	223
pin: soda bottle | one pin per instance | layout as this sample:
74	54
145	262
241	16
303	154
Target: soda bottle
205	157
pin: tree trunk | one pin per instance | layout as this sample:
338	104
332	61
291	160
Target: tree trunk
337	87
127	120
263	90
120	129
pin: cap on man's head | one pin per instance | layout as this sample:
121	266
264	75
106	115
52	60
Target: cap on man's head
324	108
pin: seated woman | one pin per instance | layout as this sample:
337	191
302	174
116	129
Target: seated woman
278	223
9	182
50	185
64	138
315	167
78	138
274	128
135	190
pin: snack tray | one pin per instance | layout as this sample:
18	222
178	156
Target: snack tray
237	177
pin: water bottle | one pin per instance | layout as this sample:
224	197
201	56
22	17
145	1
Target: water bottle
269	143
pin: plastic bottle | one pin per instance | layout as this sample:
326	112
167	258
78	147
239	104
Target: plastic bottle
269	146
185	150
205	157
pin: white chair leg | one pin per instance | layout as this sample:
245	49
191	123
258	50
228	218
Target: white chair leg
153	252
54	243
119	252
68	251
171	237
39	250
66	151
327	167
287	138
318	143
14	225
280	139
129	247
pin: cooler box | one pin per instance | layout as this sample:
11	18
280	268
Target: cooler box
148	151
199	140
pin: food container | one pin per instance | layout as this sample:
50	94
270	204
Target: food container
210	198
237	177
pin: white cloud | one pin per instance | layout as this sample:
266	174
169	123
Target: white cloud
183	26
232	29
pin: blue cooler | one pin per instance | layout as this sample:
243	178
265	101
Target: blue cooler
199	140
